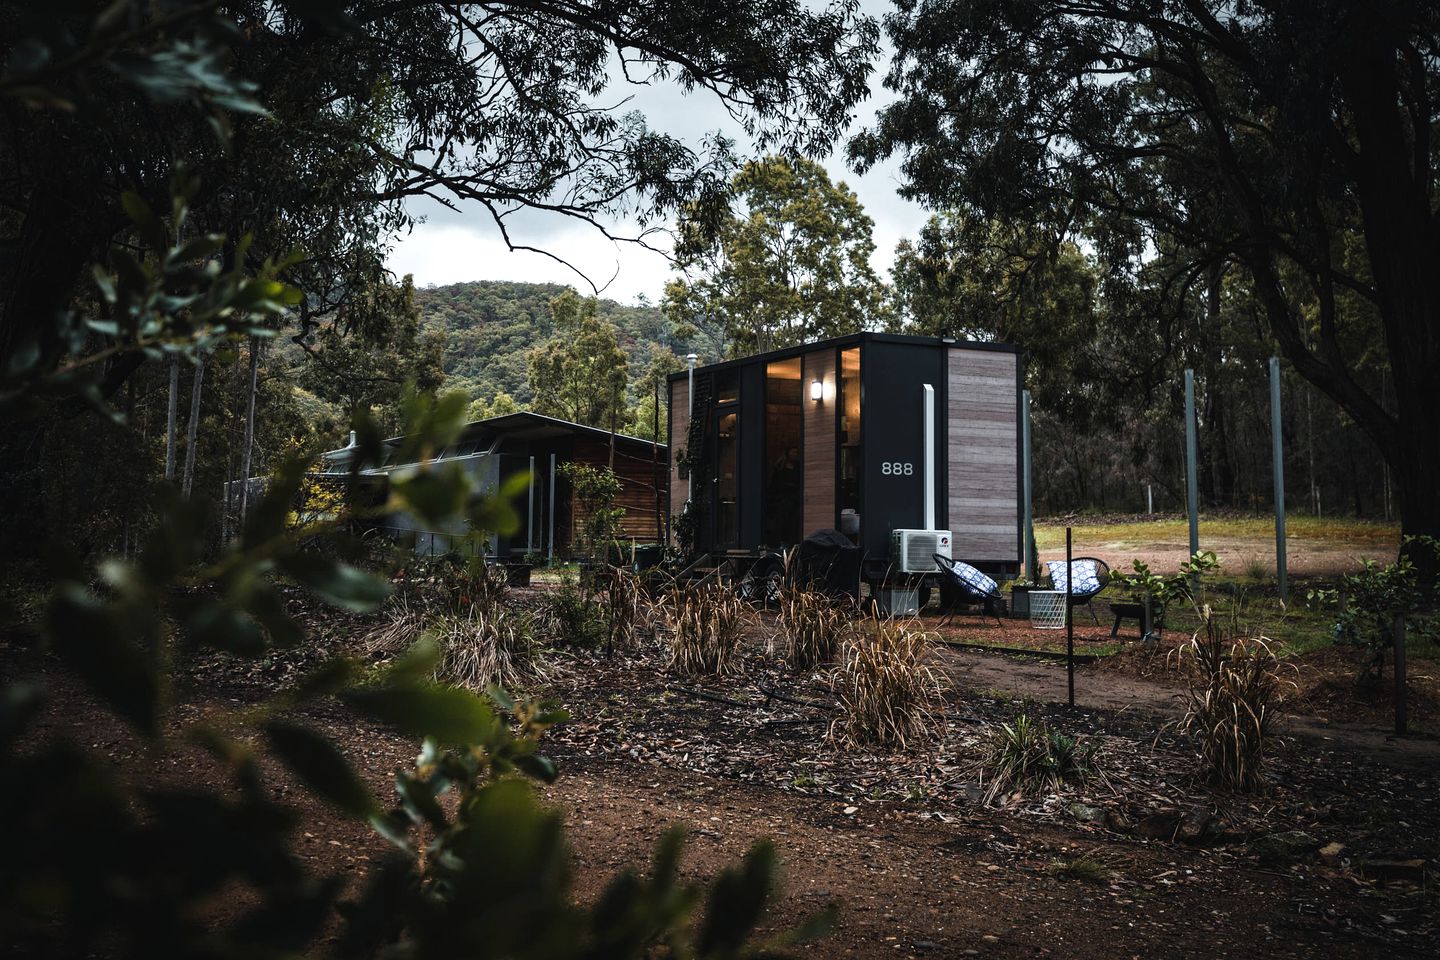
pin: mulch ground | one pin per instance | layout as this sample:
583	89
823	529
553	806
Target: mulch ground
920	865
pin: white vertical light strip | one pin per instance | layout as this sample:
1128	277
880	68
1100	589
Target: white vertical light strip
929	457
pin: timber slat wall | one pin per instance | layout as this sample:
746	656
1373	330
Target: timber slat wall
983	455
819	426
637	477
678	440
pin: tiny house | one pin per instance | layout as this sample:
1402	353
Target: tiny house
901	443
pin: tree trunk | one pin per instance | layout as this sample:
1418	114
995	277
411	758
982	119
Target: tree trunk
1394	180
194	428
249	446
171	416
1217	484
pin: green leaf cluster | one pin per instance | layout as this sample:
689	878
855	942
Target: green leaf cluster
788	263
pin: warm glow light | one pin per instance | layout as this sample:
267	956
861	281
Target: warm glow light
817	390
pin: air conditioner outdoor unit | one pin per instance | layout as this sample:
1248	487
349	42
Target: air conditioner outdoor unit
913	551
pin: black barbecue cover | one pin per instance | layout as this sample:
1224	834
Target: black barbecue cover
830	562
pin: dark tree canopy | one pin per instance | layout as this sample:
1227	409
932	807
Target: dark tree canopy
498	106
308	125
1295	139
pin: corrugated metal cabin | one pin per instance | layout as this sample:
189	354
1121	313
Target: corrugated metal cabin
496	449
831	435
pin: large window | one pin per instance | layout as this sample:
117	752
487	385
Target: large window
849	436
783	403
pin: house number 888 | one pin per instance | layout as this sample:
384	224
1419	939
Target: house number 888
897	468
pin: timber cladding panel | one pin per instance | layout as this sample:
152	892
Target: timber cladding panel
819	428
638	475
679	431
983	454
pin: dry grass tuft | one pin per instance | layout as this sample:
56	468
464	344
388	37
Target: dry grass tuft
487	645
707	624
625	609
812	625
1232	701
1089	867
884	688
403	624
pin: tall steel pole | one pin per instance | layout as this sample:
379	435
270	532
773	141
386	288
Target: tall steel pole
1192	491
1069	616
1277	466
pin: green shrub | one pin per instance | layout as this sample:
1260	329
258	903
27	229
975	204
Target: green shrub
595	491
573	618
1368	602
1029	758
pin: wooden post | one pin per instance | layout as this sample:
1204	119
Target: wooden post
1277	468
1397	629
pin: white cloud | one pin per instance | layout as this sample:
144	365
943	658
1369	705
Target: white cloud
446	252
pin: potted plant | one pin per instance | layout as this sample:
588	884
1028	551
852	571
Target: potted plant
1020	598
1147	595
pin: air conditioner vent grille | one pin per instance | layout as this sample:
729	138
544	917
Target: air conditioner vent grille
913	551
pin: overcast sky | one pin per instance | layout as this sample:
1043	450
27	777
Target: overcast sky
451	247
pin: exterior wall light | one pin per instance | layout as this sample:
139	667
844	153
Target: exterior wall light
817	390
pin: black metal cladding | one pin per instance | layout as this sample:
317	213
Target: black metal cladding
893	376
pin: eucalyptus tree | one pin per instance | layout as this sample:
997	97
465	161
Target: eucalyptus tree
789	262
1293	139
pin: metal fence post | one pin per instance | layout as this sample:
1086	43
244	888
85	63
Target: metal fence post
1192	491
1069	617
1031	573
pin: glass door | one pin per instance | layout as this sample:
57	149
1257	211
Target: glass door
727	487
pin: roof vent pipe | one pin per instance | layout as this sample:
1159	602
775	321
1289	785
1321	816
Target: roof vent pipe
929	457
352	442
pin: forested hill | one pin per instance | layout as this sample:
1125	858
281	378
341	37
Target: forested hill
489	326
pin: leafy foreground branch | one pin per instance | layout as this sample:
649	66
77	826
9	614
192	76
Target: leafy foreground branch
106	862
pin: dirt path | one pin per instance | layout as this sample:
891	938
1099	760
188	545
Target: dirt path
1032	678
913	885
